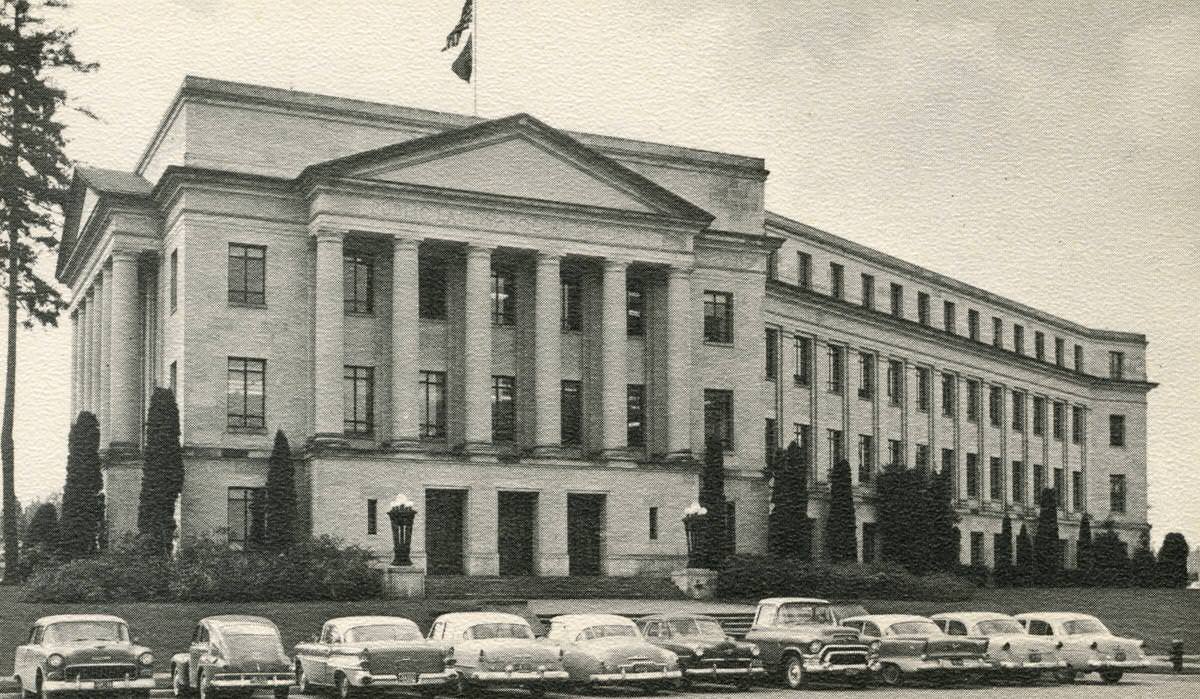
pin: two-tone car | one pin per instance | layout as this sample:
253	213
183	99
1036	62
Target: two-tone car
800	641
605	649
1087	645
1012	652
82	653
911	646
495	649
232	655
357	653
706	653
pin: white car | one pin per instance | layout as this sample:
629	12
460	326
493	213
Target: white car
493	649
1087	644
605	649
1011	650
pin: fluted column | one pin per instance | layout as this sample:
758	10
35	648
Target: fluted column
104	327
329	342
124	352
477	349
406	335
547	352
613	394
679	362
75	362
85	355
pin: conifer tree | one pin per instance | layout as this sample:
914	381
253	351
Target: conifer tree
897	515
42	529
162	474
1171	567
82	513
281	497
1047	558
1141	564
841	536
1110	560
1083	550
1024	570
942	534
788	521
712	498
1004	572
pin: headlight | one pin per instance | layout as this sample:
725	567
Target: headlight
1007	646
874	646
1058	645
146	658
364	658
1095	646
698	651
814	647
55	660
754	650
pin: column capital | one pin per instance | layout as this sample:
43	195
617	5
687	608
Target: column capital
125	254
405	241
480	249
545	257
616	264
329	235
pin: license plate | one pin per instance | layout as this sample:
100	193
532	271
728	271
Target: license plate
956	661
406	677
1120	655
104	684
1035	658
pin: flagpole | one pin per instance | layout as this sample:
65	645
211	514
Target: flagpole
475	58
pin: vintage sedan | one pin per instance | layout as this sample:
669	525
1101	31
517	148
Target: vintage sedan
915	646
494	649
800	641
605	649
82	653
232	654
1086	644
1013	653
360	652
705	651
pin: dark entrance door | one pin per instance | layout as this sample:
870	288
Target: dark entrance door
517	523
444	513
585	533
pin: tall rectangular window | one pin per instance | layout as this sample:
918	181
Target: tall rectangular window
803	437
923	389
431	290
868	291
653	528
174	280
977	549
895	381
246	517
1077	424
948	460
1018	410
1116	493
972	475
895	452
949	395
1060	419
897	294
866	369
995	405
922	457
866	458
635	415
246	398
973	324
770	441
1079	358
837	368
358	400
503	409
433	404
997	332
372	517
1116	365
1039	481
571	413
358	272
1060	352
1018	339
718	317
1116	430
503	311
837	281
572	303
837	448
635	308
949	321
803	347
1060	493
718	416
772	358
974	400
773	265
1039	416
870	542
996	479
1077	491
247	274
1039	345
173	378
804	270
922	308
1018	481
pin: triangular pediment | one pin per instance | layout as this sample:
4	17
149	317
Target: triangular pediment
516	157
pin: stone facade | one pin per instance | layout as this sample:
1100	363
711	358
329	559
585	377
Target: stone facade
516	222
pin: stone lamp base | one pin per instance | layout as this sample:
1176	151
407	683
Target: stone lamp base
403	582
697	583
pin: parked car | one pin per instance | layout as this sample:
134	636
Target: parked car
360	652
800	641
605	649
913	645
705	651
232	654
1012	652
1087	645
82	653
497	649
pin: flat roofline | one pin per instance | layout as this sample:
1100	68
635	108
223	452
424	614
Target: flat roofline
433	121
788	225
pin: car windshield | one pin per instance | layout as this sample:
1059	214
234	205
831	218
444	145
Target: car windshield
799	613
482	632
845	611
706	628
607	630
383	632
1000	627
68	631
915	628
1078	627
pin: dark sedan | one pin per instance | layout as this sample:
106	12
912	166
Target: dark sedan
705	651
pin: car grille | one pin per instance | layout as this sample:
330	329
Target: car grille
1035	657
724	663
644	667
100	672
844	656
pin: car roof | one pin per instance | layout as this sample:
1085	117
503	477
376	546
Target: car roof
886	619
222	619
973	617
803	600
1055	616
669	616
348	622
481	618
577	620
57	618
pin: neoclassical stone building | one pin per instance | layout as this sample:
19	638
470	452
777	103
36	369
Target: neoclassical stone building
530	331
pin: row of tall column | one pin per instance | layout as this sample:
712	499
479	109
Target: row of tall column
476	345
105	346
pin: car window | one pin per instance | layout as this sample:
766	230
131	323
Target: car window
856	625
651	630
765	615
1037	627
1078	627
383	632
916	628
67	631
698	628
607	631
1000	627
870	629
201	634
326	633
798	613
955	628
493	630
436	631
35	635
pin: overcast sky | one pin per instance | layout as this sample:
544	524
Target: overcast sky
1046	151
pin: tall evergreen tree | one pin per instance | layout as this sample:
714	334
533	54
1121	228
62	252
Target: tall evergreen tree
82	513
788	535
43	527
841	535
34	178
898	515
1083	550
1004	572
1023	574
1171	568
1047	558
1142	564
281	497
1110	559
162	474
942	534
712	498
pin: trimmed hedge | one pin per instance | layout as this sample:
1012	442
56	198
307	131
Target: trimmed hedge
208	571
756	577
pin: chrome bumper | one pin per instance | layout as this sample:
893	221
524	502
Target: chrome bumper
944	665
518	676
251	680
724	671
1098	665
618	677
363	678
1018	665
819	667
91	685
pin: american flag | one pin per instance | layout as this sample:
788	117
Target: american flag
464	23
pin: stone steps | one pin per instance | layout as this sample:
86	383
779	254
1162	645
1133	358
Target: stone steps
463	587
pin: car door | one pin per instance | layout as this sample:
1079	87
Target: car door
196	652
26	658
325	647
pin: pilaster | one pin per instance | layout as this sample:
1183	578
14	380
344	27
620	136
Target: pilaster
406	334
614	391
124	352
477	350
328	338
548	353
679	362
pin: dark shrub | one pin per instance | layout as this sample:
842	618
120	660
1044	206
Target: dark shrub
121	573
755	577
977	574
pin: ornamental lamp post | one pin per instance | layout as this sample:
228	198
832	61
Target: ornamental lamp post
693	520
401	513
